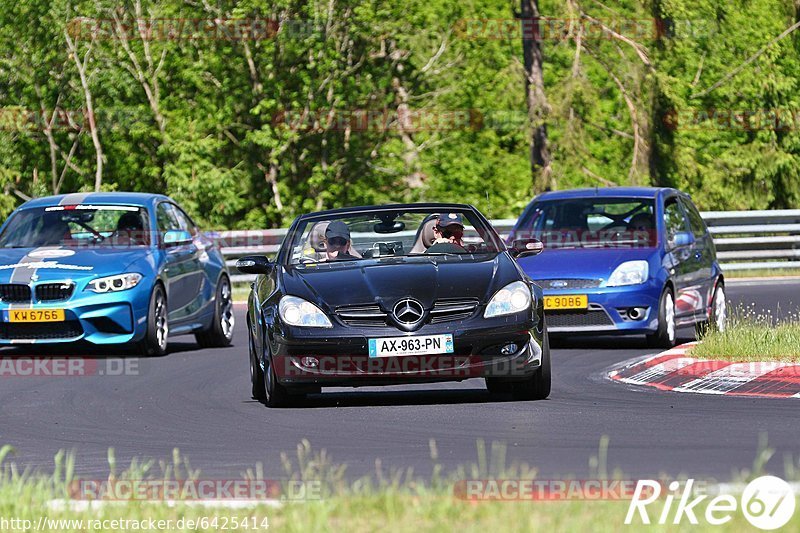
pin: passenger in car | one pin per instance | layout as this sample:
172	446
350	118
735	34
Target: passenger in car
338	245
449	232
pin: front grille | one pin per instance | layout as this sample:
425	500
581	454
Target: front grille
453	309
41	331
53	292
368	315
578	319
568	283
15	293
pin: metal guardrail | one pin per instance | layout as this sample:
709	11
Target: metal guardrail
745	240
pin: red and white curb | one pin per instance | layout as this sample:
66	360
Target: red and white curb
674	371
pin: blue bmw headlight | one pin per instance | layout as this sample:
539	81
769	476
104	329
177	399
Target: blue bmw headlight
121	282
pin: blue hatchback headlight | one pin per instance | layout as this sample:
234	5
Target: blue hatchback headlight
629	273
121	282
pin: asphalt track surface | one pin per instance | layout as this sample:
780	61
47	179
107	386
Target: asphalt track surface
199	401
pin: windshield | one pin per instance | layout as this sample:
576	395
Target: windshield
391	233
77	226
591	223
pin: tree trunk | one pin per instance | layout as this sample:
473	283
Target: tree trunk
538	108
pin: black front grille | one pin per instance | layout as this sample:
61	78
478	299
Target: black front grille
568	283
578	319
453	309
368	315
41	330
53	292
15	293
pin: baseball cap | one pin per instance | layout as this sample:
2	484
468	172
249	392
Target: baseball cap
448	219
337	228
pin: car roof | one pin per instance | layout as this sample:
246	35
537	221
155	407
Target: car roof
434	206
607	192
100	198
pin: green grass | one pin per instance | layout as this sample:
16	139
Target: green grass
393	501
751	337
763	273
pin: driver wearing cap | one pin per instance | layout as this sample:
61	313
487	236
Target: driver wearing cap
448	232
337	242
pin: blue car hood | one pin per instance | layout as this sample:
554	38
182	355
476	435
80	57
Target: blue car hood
61	263
581	263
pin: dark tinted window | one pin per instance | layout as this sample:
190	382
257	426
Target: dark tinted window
674	219
166	218
695	220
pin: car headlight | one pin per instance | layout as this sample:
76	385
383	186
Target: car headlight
298	312
629	273
512	298
122	282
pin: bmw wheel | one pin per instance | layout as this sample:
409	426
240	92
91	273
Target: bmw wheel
665	335
156	337
220	333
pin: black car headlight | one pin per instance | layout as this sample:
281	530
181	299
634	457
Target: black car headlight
298	312
121	282
513	298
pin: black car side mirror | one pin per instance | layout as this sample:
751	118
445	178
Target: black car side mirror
254	264
526	248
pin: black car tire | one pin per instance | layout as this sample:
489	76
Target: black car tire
257	382
276	395
537	387
155	341
220	333
499	387
666	334
718	312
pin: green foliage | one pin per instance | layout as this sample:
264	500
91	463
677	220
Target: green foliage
251	132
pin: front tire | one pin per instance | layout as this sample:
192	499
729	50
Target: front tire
537	387
220	333
155	340
665	336
257	382
275	394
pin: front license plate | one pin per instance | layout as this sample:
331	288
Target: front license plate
422	345
33	315
574	301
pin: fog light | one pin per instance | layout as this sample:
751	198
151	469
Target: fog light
508	349
309	362
636	313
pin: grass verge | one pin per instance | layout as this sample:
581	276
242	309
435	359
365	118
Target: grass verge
395	501
751	337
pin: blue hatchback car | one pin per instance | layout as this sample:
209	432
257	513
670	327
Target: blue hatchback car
111	269
623	261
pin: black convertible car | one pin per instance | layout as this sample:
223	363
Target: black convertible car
403	293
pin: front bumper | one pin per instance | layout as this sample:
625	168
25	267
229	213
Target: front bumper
608	311
110	318
341	356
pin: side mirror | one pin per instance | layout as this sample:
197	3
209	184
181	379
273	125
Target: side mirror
254	264
526	247
682	238
177	237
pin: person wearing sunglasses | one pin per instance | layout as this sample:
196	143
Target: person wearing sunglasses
337	242
448	234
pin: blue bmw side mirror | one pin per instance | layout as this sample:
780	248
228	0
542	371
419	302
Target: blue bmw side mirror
177	237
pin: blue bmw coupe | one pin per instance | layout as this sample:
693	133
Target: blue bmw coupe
111	269
623	260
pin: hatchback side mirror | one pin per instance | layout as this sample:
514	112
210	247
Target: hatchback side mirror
682	238
526	248
254	264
